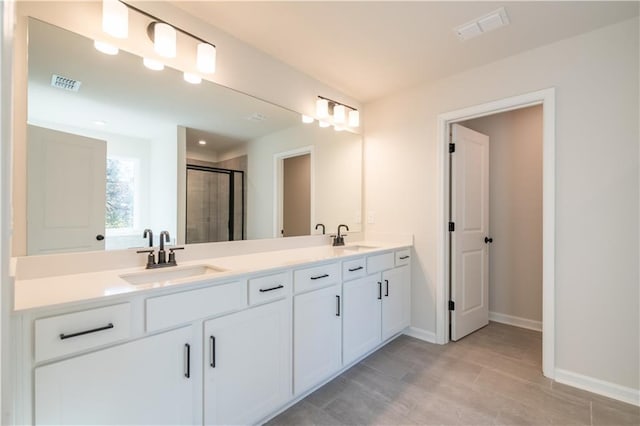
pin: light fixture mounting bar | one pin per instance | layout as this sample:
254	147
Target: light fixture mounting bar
331	101
155	18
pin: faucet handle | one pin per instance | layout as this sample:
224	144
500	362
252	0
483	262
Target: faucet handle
172	255
151	258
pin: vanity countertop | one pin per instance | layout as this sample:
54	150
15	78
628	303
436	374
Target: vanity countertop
92	286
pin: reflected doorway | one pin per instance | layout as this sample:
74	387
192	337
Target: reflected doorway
215	205
294	189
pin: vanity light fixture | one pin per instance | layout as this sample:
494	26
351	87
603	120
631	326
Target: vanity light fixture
192	78
307	119
106	48
164	39
326	107
115	18
322	108
354	118
152	64
206	58
339	114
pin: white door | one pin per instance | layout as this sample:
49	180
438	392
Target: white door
396	301
470	215
66	192
317	337
361	322
247	364
141	382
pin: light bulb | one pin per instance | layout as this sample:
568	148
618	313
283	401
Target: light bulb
307	119
206	58
354	118
339	114
152	64
324	124
322	108
115	18
192	78
202	142
106	48
164	39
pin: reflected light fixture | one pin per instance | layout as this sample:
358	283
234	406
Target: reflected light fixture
307	119
164	39
192	78
115	18
106	48
324	124
206	58
202	142
152	64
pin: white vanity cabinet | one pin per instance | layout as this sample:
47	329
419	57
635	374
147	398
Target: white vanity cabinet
396	300
247	364
362	317
147	381
317	336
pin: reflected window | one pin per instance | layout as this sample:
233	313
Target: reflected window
122	187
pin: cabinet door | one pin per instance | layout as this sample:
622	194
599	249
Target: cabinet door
396	301
317	336
361	320
247	364
141	382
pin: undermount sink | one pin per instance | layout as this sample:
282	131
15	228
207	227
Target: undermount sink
170	273
358	248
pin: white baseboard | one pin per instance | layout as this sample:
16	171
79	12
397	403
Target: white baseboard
515	321
601	387
420	333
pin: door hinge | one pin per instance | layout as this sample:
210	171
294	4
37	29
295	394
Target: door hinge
452	148
452	226
452	305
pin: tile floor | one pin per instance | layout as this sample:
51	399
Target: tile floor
492	377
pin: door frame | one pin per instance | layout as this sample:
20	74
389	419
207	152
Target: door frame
278	186
546	98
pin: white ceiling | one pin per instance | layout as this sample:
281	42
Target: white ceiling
370	49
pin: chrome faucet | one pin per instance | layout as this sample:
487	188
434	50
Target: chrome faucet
338	240
162	259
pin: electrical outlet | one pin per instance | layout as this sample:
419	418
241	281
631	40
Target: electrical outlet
358	218
371	217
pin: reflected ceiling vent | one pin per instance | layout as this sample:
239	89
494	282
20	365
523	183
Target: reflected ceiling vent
256	116
489	22
65	83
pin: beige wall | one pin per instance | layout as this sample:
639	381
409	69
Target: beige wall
597	325
515	210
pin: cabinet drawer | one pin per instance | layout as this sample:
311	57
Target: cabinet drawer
78	331
187	306
380	262
316	277
352	269
267	288
403	257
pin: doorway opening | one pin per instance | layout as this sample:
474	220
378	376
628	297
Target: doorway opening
293	192
448	121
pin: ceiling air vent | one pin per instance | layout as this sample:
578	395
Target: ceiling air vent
490	21
256	116
65	83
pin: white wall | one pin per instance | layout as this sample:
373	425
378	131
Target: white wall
597	186
515	210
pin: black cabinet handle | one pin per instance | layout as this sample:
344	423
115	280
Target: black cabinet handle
404	257
82	333
187	355
320	276
387	292
355	269
337	305
379	290
212	351
264	290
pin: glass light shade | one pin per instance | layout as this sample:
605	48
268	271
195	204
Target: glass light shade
192	78
152	64
206	59
115	18
324	124
164	40
306	119
322	108
106	48
354	118
339	114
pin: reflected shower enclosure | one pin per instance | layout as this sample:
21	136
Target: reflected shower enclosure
215	205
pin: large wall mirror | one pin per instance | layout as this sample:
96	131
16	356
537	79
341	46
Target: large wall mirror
114	147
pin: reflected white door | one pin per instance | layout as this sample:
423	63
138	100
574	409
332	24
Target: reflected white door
66	192
470	213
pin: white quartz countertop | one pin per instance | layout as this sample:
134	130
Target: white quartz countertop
93	286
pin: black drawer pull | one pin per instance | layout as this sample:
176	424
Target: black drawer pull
82	333
337	305
187	355
320	276
355	269
212	351
404	257
379	290
264	290
387	283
